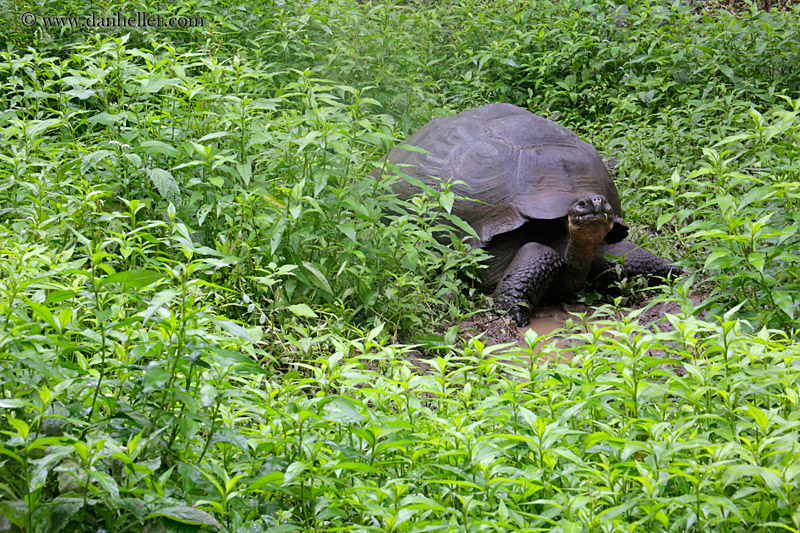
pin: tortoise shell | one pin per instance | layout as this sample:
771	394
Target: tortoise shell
519	167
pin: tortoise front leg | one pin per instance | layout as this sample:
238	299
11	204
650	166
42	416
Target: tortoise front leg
534	269
635	261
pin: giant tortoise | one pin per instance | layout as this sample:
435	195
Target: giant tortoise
541	201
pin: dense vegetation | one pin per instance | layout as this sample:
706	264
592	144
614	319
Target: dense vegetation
203	309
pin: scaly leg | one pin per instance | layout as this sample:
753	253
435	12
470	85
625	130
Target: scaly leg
635	262
529	276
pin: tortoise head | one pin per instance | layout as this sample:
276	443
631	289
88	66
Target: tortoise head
590	219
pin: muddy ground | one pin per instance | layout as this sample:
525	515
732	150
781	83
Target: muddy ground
553	324
501	329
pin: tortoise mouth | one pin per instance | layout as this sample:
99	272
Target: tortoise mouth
591	219
580	220
590	230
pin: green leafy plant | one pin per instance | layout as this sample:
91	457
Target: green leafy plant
205	278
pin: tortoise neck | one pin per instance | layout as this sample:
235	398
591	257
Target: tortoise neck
578	258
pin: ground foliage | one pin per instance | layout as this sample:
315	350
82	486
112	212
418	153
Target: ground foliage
203	282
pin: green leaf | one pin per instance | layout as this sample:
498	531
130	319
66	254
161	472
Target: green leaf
186	515
446	200
462	225
105	118
37	127
215	135
232	328
159	147
90	160
412	148
343	411
156	378
302	310
421	502
726	203
721	259
277	235
273	201
137	279
786	303
307	139
759	416
273	478
568	526
165	184
245	171
43	313
351	466
154	84
663	219
81	93
293	470
735	139
62	511
109	486
16	511
20	425
43	466
317	278
159	300
229	358
349	230
133	159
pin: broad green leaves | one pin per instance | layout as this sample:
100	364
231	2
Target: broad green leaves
203	284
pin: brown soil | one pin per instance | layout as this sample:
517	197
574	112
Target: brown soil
495	329
553	326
